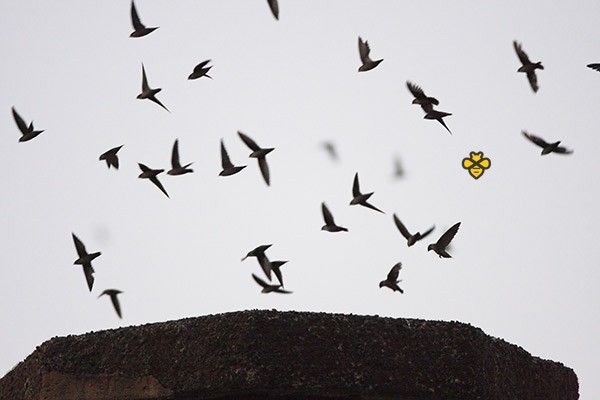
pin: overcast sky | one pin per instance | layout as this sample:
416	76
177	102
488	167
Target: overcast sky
525	264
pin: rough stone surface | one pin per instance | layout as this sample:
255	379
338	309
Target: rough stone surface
287	355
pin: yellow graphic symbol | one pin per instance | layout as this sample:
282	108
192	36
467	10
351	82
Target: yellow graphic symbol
476	164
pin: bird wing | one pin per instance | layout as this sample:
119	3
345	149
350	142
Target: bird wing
199	67
175	155
447	237
145	86
532	78
327	215
274	8
115	302
415	90
248	141
394	272
594	66
363	50
225	161
20	122
115	161
143	167
88	271
135	18
154	99
260	281
521	53
426	233
264	169
372	207
159	185
79	246
535	139
278	274
279	290
356	186
562	150
265	264
401	227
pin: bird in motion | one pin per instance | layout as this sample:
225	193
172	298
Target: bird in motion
398	170
200	70
263	261
359	198
330	225
527	66
441	245
595	67
148	173
139	29
176	168
392	279
427	104
547	148
363	52
85	260
28	132
329	147
268	288
226	164
111	157
147	92
276	268
260	154
410	238
274	6
112	293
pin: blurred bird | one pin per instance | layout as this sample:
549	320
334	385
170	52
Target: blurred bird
260	154
27	132
114	299
527	66
228	167
274	8
330	149
392	279
147	92
420	97
410	238
151	174
267	288
363	52
330	225
398	170
139	29
260	255
359	198
441	245
176	168
276	268
595	67
547	147
201	70
111	158
85	260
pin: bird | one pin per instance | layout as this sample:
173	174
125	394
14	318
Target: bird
260	154
331	150
139	29
441	245
392	279
151	174
438	116
111	158
410	238
276	268
527	66
27	132
85	260
420	97
260	255
274	6
595	67
201	70
228	167
147	92
176	168
359	198
114	299
330	225
547	147
398	170
363	52
267	288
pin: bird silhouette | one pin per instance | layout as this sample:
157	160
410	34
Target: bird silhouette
226	164
547	148
85	260
363	51
260	154
200	70
392	279
595	67
268	288
410	238
112	293
111	158
441	245
263	261
330	225
176	168
427	104
139	29
28	132
527	66
148	173
359	198
149	93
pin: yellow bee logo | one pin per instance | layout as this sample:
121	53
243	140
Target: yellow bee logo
476	164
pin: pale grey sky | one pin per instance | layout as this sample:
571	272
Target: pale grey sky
525	263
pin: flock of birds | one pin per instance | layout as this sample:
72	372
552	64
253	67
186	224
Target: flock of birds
427	104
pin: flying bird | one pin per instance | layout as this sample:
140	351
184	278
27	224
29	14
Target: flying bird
28	132
441	245
398	170
392	279
363	52
114	299
359	198
260	255
410	238
330	225
85	260
111	158
176	168
420	97
148	93
201	70
438	116
331	150
260	154
595	67
267	288
274	6
228	167
151	174
139	29
527	66
547	148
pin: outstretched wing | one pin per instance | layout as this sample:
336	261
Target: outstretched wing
198	68
159	185
426	233
535	139
249	142
363	50
79	246
115	302
20	122
447	237
135	18
594	67
145	86
88	271
260	281
327	215
401	227
264	170
356	186
532	78
521	53
143	167
175	155
372	207
154	99
562	150
415	90
394	272
274	8
225	161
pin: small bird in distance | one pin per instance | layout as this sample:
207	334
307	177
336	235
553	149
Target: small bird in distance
392	279
149	93
112	293
410	238
111	157
547	148
359	198
176	168
200	70
85	260
330	225
440	247
28	132
139	29
148	173
363	51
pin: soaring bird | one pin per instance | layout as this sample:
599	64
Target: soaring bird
392	279
410	238
228	167
267	288
330	225
147	92
547	148
440	246
114	299
595	67
139	29
85	260
151	174
260	255
28	132
331	150
176	168
274	6
527	66
420	97
363	52
359	198
111	158
201	70
260	154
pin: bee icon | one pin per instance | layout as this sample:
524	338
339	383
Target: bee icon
476	164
